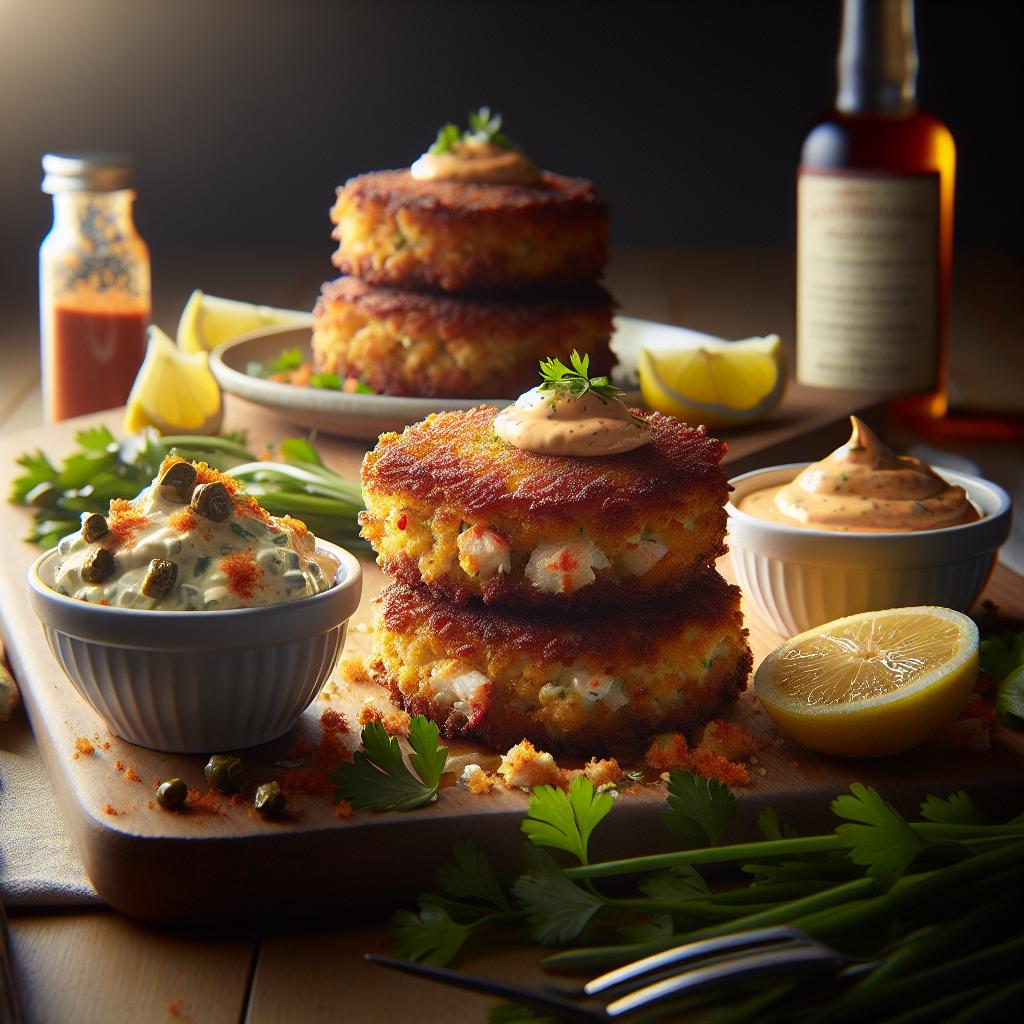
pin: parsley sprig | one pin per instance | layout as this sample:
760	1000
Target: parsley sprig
575	380
907	895
484	127
377	778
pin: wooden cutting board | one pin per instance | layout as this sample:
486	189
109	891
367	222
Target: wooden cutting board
169	867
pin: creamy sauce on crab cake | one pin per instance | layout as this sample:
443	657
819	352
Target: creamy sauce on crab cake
472	160
556	423
863	487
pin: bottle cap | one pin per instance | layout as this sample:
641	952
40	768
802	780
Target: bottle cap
87	172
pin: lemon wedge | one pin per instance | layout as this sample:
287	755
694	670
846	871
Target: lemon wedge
872	684
207	321
174	391
717	383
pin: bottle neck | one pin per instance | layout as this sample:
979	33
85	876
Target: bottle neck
877	62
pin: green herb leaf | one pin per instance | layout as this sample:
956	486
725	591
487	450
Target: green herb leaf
699	809
377	778
430	935
298	449
883	842
1000	655
469	876
566	820
683	883
1010	700
773	827
38	471
574	380
325	381
956	809
289	360
555	906
447	136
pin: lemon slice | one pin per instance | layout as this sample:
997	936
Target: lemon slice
718	383
174	391
207	321
871	684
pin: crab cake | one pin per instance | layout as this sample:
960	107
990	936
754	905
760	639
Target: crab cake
395	230
591	684
447	346
451	505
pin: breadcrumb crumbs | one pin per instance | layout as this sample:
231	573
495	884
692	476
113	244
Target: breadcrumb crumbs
667	751
83	746
204	803
315	779
131	775
476	780
524	767
111	810
343	810
118	766
395	723
714	766
730	740
603	772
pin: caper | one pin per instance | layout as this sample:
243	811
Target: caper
43	495
212	502
98	566
94	526
269	800
160	578
178	482
224	773
171	794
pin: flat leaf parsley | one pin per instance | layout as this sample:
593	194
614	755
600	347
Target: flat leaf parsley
377	778
574	379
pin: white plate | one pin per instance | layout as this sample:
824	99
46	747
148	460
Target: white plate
364	417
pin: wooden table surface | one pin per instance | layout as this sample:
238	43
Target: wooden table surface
99	966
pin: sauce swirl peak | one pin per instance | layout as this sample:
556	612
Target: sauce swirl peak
474	160
554	422
864	487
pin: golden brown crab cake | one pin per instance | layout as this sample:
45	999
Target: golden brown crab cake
451	505
457	236
593	685
446	346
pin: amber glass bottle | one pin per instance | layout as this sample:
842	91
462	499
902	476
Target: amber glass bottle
875	224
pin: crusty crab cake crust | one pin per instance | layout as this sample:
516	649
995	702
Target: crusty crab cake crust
592	685
424	343
453	506
395	230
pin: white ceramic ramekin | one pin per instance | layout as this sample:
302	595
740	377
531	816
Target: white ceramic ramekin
198	682
799	578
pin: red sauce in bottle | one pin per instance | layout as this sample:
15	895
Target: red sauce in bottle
96	355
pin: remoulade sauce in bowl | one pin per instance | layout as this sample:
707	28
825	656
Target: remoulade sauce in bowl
862	530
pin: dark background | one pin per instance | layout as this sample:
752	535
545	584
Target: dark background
245	114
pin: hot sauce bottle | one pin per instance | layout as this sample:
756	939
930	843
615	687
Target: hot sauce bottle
875	224
94	285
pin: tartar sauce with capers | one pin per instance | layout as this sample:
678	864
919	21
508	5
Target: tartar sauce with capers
191	541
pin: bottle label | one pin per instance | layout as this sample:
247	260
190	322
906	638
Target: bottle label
868	281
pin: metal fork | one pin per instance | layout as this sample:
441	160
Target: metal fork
680	971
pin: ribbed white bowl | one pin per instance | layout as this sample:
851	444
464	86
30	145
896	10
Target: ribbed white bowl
198	682
800	578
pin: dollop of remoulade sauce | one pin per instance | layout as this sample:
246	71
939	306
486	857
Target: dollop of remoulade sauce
475	161
863	487
555	423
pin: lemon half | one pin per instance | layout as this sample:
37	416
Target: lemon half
175	391
718	383
872	684
207	321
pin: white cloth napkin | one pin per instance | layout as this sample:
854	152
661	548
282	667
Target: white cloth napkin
39	866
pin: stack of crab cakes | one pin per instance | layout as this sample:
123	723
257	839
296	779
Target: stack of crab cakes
457	288
571	601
